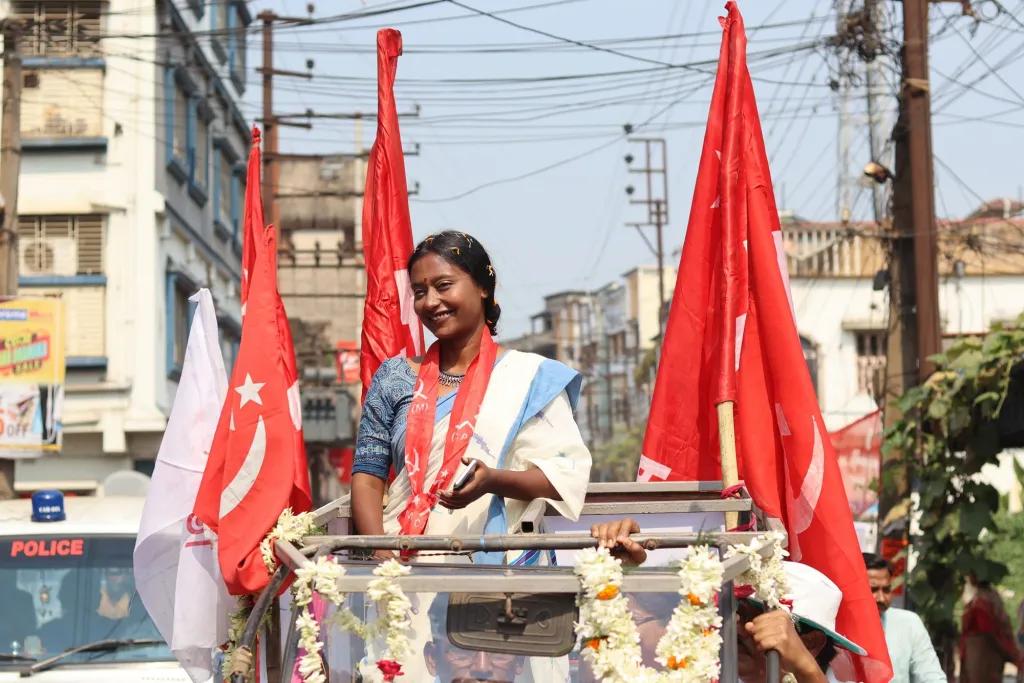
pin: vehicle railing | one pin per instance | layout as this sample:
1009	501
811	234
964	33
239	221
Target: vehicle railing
624	500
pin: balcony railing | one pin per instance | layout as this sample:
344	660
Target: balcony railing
56	28
871	375
831	252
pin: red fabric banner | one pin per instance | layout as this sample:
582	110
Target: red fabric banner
390	326
731	333
257	465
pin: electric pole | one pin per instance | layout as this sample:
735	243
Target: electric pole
872	51
10	168
657	209
271	122
914	323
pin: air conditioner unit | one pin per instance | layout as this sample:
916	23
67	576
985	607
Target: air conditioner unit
55	256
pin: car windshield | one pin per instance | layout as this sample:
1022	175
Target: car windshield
60	592
435	658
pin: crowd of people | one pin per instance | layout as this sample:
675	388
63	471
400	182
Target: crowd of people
467	438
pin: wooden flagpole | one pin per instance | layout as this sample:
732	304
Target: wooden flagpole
727	452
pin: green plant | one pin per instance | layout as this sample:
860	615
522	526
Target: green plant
947	432
618	458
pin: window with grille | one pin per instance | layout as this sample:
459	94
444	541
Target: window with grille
811	357
180	146
60	245
182	321
871	347
59	28
238	48
223	19
224	189
201	173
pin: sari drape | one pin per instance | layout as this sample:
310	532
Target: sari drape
526	421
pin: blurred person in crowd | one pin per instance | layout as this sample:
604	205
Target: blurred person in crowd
987	641
910	647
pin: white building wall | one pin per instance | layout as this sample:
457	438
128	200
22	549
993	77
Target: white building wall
830	310
115	415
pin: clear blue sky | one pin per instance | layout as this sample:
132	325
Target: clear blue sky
563	228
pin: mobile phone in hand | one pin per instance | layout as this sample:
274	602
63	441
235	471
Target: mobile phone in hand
466	475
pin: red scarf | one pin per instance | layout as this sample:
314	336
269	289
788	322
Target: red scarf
419	431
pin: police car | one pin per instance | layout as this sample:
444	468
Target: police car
67	594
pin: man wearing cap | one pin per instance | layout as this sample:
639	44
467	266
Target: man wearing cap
910	648
806	645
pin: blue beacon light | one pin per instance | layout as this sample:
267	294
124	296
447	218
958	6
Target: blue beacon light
48	506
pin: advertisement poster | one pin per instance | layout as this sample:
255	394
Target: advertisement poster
31	375
347	360
859	451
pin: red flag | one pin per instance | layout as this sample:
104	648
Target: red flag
257	464
731	335
252	220
390	327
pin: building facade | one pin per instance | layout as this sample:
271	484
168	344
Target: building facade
839	281
610	336
134	146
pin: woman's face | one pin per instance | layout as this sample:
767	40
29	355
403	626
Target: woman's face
446	298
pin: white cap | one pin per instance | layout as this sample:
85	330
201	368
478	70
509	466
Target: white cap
816	602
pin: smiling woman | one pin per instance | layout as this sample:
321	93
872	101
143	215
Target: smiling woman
467	401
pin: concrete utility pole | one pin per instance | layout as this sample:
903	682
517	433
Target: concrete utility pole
10	168
657	209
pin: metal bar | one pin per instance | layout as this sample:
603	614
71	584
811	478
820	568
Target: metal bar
519	541
356	115
672	506
641	489
263	603
289	555
774	666
284	72
729	651
484	579
727	609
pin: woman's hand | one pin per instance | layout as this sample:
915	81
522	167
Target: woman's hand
384	555
615	537
477	486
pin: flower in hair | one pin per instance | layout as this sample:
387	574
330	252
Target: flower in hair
490	269
456	251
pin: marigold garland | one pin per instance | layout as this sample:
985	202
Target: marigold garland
690	648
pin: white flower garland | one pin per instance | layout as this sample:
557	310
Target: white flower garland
290	527
690	647
768	579
689	650
393	623
611	644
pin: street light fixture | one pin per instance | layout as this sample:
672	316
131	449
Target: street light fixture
880	174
